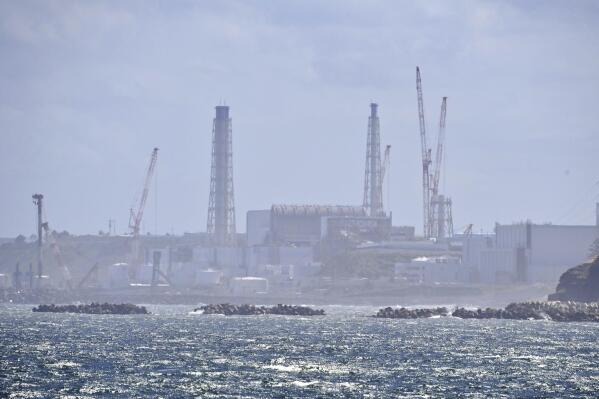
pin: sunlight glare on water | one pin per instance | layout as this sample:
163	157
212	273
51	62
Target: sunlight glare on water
172	353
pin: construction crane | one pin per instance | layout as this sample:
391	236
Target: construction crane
136	216
426	159
57	255
440	213
44	227
439	155
468	230
386	162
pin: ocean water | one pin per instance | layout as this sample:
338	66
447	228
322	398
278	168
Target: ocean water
174	354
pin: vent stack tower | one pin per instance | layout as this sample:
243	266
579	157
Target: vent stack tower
221	208
373	185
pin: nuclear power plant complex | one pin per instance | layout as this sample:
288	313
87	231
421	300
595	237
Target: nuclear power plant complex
295	250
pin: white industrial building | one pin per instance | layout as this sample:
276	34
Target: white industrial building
115	276
527	252
248	286
191	275
229	259
4	281
431	270
258	227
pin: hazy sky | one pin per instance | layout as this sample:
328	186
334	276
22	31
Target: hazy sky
87	89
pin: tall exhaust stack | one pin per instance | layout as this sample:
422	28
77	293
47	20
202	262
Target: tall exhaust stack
373	187
221	208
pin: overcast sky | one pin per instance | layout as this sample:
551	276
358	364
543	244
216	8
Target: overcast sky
87	89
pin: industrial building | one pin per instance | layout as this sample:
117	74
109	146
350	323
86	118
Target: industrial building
297	235
431	270
286	244
527	252
309	224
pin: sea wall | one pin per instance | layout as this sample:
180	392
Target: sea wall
229	309
553	310
94	308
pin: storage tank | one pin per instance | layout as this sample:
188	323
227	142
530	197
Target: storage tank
209	277
4	281
243	286
116	276
183	274
144	274
42	282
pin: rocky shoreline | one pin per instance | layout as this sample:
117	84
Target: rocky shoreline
94	308
228	309
553	310
579	283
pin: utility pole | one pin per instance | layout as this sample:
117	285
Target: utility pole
30	276
37	200
18	277
156	255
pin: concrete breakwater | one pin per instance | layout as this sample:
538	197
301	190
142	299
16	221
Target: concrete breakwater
94	308
404	313
553	310
248	310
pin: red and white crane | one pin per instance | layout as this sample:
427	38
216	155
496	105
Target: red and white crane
426	160
439	155
136	216
384	168
438	220
386	162
58	255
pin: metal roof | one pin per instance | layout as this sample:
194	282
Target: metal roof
318	210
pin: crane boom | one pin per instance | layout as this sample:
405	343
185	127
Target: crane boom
440	143
426	159
57	254
136	217
384	167
386	162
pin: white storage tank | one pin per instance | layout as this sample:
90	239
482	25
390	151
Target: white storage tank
244	286
4	281
42	282
183	274
117	276
204	257
144	274
209	277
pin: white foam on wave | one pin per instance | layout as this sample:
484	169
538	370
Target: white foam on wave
281	367
303	384
63	363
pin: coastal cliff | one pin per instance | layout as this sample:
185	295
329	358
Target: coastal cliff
580	283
